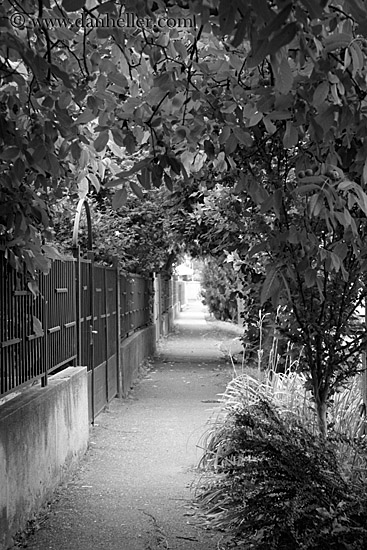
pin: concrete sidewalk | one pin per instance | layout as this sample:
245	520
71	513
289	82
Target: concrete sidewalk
134	489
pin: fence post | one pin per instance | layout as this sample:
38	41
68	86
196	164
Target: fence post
90	256
105	283
118	325
157	305
77	282
44	302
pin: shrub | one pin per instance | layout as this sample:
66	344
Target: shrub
219	284
273	482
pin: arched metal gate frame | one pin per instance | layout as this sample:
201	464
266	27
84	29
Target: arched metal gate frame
98	319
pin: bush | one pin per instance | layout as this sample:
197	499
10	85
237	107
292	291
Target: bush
219	290
275	484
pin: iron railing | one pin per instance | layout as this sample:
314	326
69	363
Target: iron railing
37	333
73	320
136	302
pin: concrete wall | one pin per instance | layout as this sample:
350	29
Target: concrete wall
43	433
133	351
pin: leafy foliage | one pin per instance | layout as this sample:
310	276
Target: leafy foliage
79	97
218	290
140	235
277	485
267	98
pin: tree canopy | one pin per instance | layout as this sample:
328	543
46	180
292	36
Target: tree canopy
266	98
142	236
179	89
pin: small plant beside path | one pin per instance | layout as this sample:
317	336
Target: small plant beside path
271	481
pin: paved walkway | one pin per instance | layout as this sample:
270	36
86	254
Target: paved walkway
134	488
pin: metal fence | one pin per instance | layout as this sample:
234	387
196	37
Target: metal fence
37	335
81	312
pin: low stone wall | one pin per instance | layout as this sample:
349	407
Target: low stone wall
133	351
43	433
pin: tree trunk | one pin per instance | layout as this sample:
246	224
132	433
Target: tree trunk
321	410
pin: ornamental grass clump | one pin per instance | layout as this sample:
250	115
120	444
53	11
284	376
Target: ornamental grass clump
272	482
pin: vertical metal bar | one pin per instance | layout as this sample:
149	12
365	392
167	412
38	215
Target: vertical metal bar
78	304
118	325
91	286
106	326
45	304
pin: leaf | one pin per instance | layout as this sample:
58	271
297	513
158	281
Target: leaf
33	287
270	127
42	263
118	79
276	23
243	137
65	99
137	166
144	178
175	165
180	49
290	138
284	77
314	8
129	143
320	94
137	190
39	153
227	14
316	204
224	135
52	253
73	5
94	181
310	277
272	46
335	260
267	204
101	141
9	153
86	116
231	144
283	37
257	55
157	174
240	186
337	41
19	169
304	189
37	327
261	247
118	137
168	182
209	149
241	30
54	165
357	58
119	199
255	119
